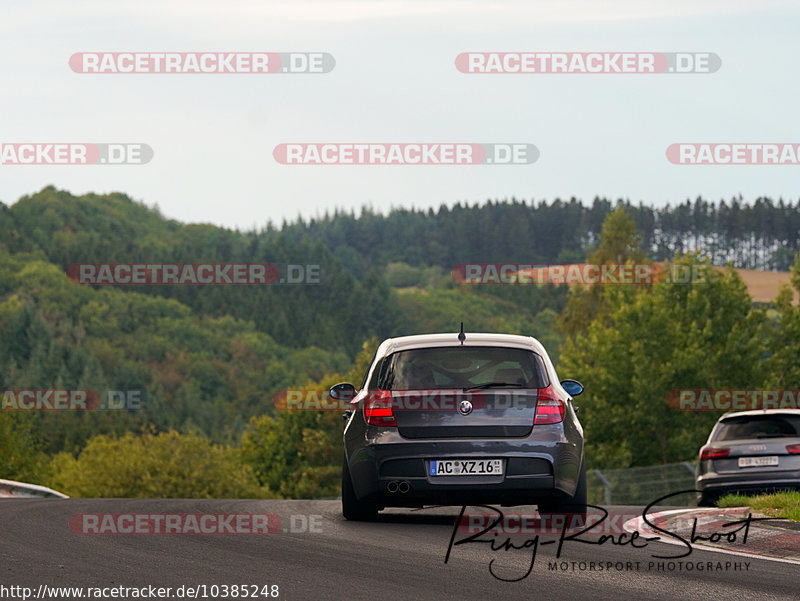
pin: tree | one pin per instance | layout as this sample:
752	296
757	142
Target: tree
676	336
21	457
297	454
167	465
620	243
784	363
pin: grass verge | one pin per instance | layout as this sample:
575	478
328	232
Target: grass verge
780	504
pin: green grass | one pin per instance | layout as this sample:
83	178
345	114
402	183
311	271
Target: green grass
781	504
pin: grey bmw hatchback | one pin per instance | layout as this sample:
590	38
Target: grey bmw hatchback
461	419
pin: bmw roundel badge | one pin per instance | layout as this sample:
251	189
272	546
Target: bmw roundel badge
465	408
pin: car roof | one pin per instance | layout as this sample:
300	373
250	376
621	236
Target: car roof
402	343
756	412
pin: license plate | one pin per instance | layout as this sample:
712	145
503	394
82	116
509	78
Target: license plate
758	461
467	467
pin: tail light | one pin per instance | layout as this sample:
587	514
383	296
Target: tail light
378	409
793	449
549	408
708	454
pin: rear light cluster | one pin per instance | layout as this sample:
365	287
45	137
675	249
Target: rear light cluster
708	454
793	449
378	409
549	408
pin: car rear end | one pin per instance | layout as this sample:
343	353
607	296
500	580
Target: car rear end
484	422
750	452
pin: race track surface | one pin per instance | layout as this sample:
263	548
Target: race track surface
317	555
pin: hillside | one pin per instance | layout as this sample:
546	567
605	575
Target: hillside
207	360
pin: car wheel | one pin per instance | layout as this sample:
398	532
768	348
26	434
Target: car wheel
352	508
576	505
707	499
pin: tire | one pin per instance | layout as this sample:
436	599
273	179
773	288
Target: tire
352	508
575	506
707	499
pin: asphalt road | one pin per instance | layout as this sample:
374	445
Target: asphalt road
327	558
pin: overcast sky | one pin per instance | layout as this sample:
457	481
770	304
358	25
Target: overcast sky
395	81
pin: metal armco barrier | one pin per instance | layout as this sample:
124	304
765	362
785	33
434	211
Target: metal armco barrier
641	485
22	490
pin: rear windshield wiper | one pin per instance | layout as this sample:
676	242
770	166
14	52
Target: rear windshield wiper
494	385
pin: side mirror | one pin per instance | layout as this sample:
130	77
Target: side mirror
573	387
343	392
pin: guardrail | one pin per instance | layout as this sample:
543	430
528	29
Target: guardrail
641	485
23	490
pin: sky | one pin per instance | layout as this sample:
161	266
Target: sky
395	81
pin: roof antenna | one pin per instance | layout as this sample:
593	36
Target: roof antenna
461	335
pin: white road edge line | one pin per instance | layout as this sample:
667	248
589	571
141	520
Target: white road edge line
635	524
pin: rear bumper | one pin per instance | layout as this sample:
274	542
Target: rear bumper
716	483
523	491
397	474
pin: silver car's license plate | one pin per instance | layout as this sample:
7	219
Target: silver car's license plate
466	467
758	461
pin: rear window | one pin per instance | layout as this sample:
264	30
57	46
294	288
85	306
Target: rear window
460	367
759	426
366	373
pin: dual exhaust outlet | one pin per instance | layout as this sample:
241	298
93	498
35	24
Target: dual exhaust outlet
401	486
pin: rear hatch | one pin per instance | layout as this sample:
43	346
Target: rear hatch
455	413
463	392
757	443
757	456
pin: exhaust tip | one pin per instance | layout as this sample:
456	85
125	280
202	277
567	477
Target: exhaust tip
392	486
404	486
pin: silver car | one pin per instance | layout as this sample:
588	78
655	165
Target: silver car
454	419
750	452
